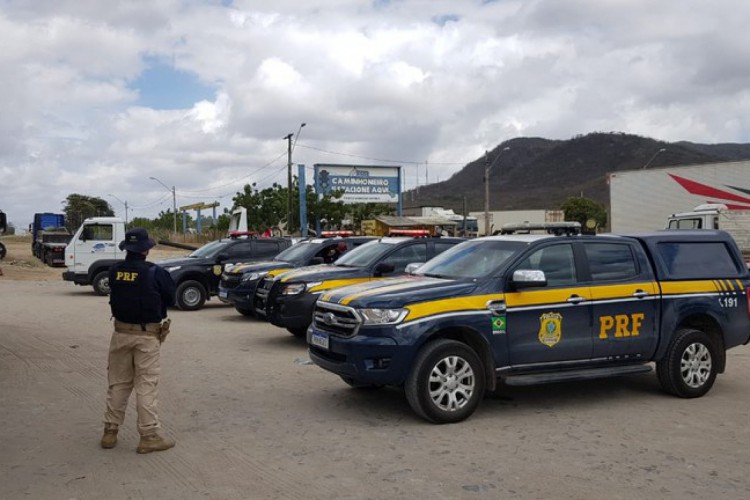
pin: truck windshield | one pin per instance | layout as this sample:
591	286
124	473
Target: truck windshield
300	252
210	249
472	259
365	255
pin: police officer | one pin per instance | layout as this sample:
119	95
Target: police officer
140	294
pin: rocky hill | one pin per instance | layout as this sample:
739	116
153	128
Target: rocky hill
537	173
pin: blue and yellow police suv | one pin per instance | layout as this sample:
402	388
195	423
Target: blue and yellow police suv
529	309
287	299
238	283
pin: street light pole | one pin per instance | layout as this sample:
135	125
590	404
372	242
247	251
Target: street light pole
174	200
124	203
652	158
487	167
290	149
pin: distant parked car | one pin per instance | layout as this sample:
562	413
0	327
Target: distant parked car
197	275
237	285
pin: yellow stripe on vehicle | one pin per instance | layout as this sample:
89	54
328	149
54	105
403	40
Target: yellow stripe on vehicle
442	306
604	292
540	296
683	287
327	285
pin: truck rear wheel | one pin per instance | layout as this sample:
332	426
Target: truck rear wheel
191	295
688	369
101	283
446	383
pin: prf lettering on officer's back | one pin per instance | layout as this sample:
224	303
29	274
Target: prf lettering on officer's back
621	325
123	276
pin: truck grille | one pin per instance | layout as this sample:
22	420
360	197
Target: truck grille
337	320
230	280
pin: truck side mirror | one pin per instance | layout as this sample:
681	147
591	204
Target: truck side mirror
528	278
410	268
383	268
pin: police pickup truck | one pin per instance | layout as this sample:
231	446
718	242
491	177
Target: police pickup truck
238	283
287	299
529	309
197	275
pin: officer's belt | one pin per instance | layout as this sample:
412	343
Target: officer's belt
123	327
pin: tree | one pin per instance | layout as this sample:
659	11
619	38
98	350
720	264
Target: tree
267	208
583	209
79	207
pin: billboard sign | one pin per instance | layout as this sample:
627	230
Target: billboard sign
360	183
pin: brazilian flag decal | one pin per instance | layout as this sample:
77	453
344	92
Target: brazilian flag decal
498	324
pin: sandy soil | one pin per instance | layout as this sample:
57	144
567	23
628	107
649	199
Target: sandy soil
20	263
253	419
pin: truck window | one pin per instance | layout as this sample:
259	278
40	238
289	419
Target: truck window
610	261
97	232
686	224
406	255
556	261
697	260
266	249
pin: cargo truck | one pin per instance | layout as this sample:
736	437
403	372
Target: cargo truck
3	228
92	250
716	216
643	199
48	222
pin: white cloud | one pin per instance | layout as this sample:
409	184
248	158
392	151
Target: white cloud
409	80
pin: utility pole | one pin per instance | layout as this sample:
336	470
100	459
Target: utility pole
487	167
289	182
174	200
290	148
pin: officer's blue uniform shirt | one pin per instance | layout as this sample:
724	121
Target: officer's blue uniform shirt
140	291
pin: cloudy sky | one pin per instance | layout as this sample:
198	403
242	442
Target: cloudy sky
98	96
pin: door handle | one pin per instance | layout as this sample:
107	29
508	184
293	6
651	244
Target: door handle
576	299
640	294
496	306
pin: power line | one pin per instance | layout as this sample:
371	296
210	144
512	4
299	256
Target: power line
378	159
235	180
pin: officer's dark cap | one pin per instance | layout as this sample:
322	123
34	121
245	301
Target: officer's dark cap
137	240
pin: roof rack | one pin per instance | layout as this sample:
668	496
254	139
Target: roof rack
556	228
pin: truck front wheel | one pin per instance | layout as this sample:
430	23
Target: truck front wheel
101	283
446	383
688	369
191	295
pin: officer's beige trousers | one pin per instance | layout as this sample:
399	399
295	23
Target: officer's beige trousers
133	363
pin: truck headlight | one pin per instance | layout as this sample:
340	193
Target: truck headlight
172	268
383	316
252	276
298	288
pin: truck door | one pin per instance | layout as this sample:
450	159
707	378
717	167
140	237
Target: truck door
94	242
625	301
551	323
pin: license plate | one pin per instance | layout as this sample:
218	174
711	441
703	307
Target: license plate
319	339
222	294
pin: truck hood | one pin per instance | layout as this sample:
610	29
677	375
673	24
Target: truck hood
260	267
322	272
184	261
398	292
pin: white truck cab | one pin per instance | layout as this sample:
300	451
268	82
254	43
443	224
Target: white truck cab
735	221
92	250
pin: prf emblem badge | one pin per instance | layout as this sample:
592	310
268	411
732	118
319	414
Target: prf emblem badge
550	329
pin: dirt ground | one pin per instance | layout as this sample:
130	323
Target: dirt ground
253	419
